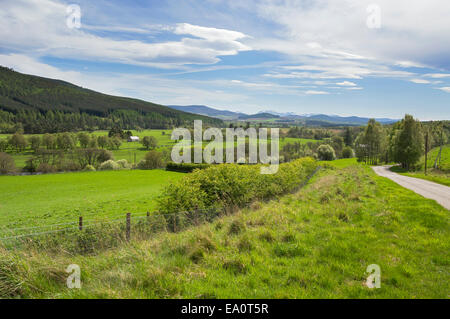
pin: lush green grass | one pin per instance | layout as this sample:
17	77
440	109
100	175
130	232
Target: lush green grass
340	163
445	158
58	198
316	243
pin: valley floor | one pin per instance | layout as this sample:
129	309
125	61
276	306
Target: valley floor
316	243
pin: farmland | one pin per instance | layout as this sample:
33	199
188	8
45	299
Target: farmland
315	243
133	152
59	198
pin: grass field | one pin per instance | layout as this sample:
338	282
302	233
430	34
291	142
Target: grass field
58	198
316	243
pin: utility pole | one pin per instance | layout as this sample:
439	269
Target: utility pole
426	151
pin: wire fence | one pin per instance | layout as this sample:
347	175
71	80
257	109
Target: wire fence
106	231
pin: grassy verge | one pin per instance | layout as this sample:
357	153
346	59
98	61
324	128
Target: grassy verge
432	175
315	243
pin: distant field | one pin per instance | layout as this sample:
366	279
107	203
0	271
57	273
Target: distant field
134	150
59	198
127	150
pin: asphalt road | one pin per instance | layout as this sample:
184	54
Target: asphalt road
427	189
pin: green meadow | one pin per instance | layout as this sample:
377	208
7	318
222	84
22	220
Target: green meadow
61	198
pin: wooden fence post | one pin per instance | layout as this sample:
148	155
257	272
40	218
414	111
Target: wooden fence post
128	229
80	223
174	223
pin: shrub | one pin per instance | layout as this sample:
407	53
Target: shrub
123	163
347	152
326	153
109	165
152	160
236	227
89	168
46	168
232	185
7	165
185	167
104	155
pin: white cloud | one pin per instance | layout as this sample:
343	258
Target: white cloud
445	89
39	28
412	31
346	83
312	92
437	75
410	64
420	81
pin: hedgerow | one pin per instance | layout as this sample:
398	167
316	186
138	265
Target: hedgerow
185	167
232	185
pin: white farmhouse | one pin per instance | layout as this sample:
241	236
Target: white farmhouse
133	139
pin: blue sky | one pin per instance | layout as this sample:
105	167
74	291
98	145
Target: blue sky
303	56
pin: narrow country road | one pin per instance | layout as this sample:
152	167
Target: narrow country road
438	192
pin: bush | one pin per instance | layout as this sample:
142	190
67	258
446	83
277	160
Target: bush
123	163
7	165
109	165
232	185
326	153
45	168
185	167
89	168
152	160
347	152
104	155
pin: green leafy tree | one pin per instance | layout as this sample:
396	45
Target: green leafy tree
7	165
408	142
35	142
149	142
103	141
152	160
347	152
326	152
84	139
65	141
49	141
348	137
3	145
370	145
18	142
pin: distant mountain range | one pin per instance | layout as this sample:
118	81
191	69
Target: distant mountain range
308	119
208	111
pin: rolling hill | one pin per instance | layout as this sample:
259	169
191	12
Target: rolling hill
289	117
208	111
22	93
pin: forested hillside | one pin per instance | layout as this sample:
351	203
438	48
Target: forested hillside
42	105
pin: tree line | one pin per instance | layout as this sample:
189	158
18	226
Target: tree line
405	142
